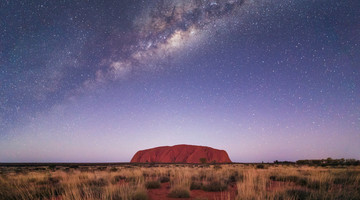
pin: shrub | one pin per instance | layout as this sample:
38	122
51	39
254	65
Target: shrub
97	182
235	177
164	179
66	169
202	160
140	195
260	166
130	179
49	181
52	167
298	194
179	192
273	178
113	169
39	169
217	167
54	180
195	186
214	186
314	185
285	178
116	179
102	168
152	184
302	182
339	180
291	178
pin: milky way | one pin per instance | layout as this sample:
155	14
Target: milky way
266	80
164	29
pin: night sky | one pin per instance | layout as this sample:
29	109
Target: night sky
96	81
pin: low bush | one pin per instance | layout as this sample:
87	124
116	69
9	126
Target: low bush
284	178
298	194
314	185
340	180
164	179
117	179
302	181
179	192
235	177
217	167
214	186
196	186
113	169
140	195
260	166
152	184
97	182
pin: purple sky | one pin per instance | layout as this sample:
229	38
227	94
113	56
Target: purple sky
98	81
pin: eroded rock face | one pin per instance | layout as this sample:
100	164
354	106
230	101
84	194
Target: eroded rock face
181	154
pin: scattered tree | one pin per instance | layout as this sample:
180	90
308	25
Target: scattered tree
203	160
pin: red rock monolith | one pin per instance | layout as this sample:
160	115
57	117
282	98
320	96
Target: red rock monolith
181	154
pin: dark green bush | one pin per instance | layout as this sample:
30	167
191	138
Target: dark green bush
214	186
203	160
235	177
179	193
152	184
196	186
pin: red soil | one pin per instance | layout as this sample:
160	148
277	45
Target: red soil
181	154
162	193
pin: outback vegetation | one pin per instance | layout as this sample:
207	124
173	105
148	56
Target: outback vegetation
171	181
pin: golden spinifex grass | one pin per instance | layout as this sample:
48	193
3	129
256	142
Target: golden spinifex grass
134	181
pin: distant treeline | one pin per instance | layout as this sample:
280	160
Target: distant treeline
329	162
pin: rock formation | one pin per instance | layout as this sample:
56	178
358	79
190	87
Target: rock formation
181	154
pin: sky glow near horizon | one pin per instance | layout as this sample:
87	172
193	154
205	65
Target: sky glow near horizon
98	81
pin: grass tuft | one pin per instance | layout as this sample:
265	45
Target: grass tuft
179	192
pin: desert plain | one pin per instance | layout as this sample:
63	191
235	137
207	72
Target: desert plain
146	181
